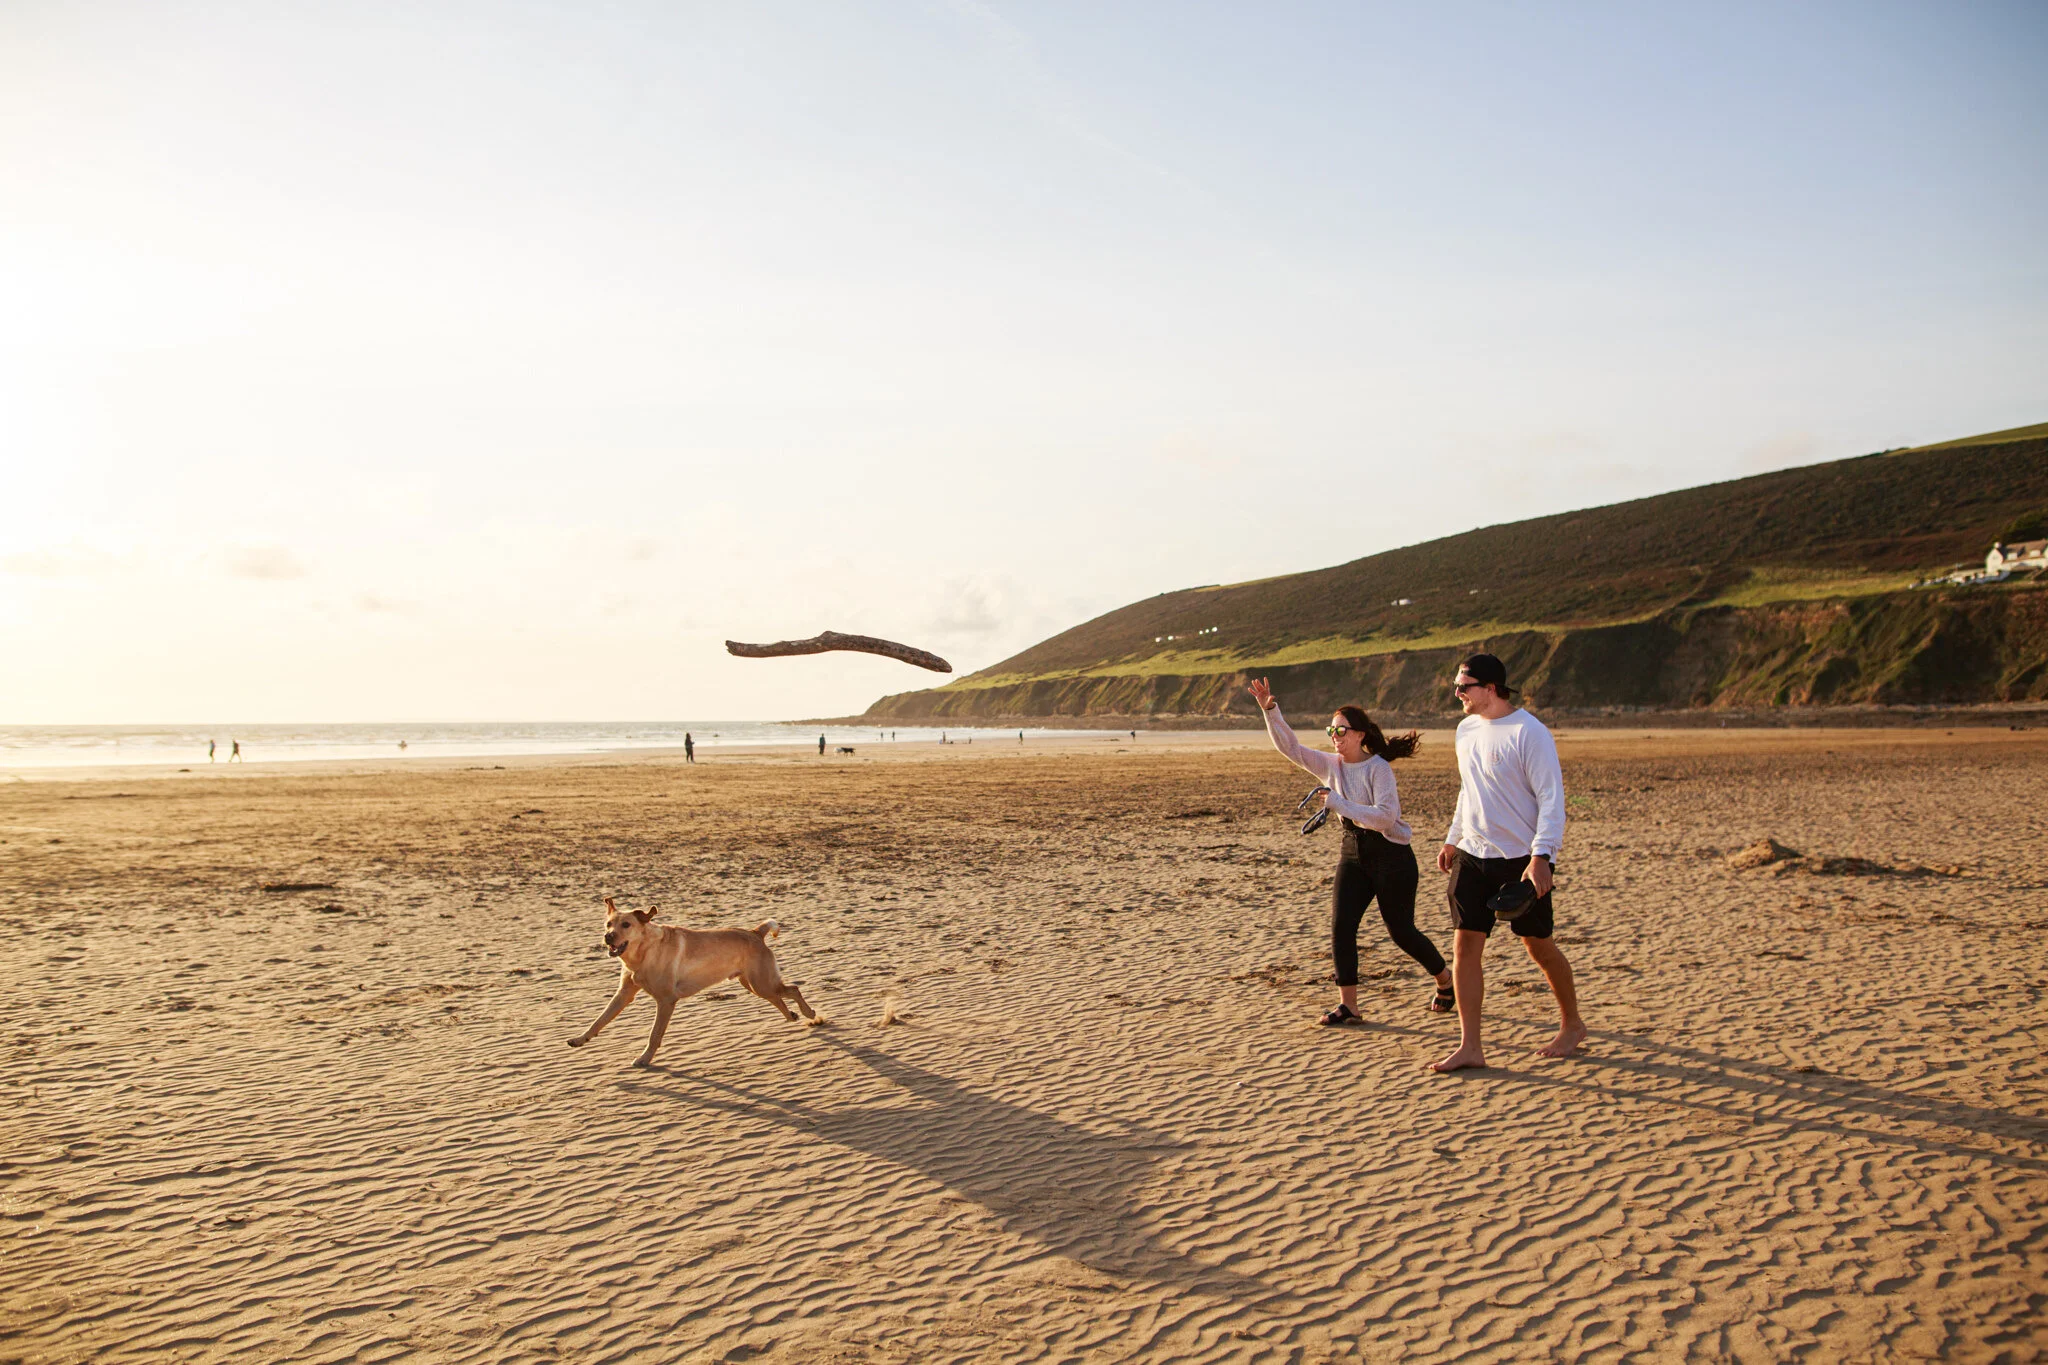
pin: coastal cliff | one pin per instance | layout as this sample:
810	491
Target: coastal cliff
1788	589
1932	647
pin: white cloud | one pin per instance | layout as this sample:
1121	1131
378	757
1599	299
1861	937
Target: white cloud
70	561
1783	451
966	607
1609	474
268	562
1561	443
1184	450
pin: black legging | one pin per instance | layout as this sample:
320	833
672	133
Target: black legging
1375	866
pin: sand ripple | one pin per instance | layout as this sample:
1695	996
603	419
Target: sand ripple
341	1124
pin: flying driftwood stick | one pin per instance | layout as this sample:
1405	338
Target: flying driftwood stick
831	640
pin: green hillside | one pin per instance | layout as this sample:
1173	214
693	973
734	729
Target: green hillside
1809	542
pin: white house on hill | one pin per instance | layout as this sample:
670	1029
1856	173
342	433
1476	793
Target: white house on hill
2005	560
2021	554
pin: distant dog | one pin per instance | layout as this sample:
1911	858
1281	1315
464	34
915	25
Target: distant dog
671	963
844	749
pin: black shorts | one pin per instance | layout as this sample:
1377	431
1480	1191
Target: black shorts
1473	882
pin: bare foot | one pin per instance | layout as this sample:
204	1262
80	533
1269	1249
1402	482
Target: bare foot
1567	1041
1460	1059
578	1042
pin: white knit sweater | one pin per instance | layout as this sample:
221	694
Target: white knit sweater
1363	793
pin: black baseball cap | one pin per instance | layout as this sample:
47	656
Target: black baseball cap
1485	668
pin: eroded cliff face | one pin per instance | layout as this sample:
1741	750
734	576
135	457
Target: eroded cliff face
1930	647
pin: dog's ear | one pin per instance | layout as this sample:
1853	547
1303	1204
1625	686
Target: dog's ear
642	916
653	910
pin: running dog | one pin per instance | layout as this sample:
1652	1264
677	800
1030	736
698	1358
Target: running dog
671	963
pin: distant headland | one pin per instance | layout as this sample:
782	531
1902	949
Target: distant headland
1865	583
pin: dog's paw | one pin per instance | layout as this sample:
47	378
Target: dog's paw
578	1042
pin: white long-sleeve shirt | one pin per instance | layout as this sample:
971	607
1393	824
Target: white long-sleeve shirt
1511	790
1363	793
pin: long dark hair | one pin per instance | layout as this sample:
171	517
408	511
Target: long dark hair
1400	746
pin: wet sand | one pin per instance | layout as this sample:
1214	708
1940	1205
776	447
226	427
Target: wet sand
341	1124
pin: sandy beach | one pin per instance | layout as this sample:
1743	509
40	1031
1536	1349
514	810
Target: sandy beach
340	1123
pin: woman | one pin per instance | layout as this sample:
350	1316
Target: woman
1377	861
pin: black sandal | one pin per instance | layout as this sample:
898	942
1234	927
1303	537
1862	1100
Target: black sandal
1446	1001
1341	1015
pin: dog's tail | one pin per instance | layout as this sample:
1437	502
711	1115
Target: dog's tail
768	929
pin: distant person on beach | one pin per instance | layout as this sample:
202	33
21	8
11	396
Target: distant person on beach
689	748
821	746
1377	860
1020	736
211	745
234	751
1508	826
401	746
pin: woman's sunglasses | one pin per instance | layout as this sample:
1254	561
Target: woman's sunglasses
1335	730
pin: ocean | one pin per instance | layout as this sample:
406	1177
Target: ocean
79	746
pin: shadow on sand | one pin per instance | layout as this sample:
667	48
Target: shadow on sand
1710	1082
1073	1190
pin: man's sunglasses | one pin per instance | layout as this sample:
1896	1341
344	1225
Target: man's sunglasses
1462	688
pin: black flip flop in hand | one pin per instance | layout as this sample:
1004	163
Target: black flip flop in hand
1512	899
1314	822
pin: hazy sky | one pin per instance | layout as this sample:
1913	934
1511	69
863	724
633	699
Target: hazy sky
492	361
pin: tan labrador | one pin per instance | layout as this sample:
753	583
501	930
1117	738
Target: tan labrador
670	963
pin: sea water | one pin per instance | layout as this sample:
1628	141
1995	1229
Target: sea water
77	746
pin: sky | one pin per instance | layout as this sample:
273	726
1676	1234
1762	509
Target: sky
388	362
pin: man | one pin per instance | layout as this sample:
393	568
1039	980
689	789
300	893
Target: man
689	748
1508	826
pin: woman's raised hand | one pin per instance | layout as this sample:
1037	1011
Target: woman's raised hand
1262	694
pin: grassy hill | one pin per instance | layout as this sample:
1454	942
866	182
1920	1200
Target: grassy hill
1597	605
